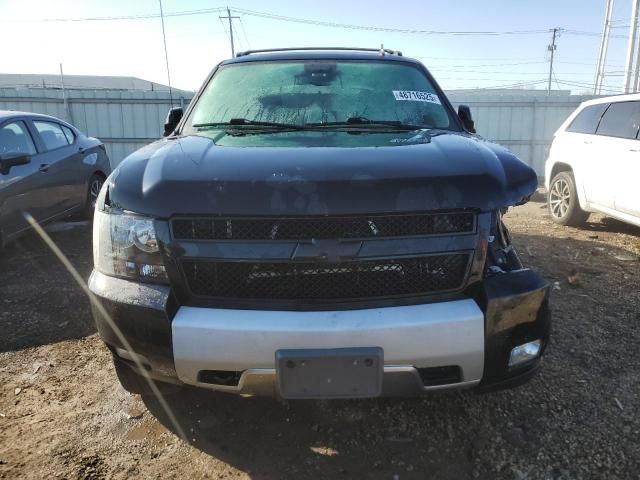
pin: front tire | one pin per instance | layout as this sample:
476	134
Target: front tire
95	185
562	201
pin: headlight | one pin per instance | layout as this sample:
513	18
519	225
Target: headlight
125	245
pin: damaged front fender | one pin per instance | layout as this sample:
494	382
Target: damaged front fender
516	306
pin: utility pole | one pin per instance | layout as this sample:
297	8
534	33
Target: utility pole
65	101
628	69
166	55
604	47
552	48
230	18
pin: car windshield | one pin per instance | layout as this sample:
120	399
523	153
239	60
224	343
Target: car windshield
320	92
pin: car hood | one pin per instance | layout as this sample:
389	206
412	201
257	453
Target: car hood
306	173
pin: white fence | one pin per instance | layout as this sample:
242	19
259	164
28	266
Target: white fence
127	120
124	120
523	123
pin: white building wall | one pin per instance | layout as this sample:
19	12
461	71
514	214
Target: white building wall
523	123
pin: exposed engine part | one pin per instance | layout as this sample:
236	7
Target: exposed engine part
502	256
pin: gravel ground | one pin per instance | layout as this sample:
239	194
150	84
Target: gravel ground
63	415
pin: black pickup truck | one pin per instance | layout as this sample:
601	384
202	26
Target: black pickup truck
318	223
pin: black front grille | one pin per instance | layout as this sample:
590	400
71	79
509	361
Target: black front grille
327	281
301	228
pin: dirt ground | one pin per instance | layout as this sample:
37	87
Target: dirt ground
63	415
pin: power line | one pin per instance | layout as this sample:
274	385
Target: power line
273	16
230	18
284	18
489	64
166	54
320	23
589	86
224	27
501	72
144	16
586	84
479	58
482	79
514	85
556	80
240	43
244	32
590	34
592	64
241	38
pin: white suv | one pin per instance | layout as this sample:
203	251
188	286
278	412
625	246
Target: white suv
594	162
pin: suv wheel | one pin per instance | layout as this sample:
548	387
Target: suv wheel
562	199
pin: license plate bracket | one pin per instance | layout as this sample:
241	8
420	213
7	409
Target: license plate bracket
330	372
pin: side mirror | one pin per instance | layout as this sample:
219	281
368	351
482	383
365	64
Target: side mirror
13	159
464	113
173	118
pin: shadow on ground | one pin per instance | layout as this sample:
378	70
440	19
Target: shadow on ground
596	222
40	302
269	438
460	434
611	225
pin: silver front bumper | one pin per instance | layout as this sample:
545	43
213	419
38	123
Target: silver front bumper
414	336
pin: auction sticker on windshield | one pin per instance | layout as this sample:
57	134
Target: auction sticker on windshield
413	96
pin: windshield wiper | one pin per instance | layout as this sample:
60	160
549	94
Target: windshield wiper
266	127
362	121
234	122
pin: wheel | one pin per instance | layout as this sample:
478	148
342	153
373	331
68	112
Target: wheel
564	206
95	185
134	383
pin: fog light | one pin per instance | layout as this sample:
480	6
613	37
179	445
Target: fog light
524	353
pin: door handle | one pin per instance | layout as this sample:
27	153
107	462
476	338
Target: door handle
634	149
587	142
44	167
81	150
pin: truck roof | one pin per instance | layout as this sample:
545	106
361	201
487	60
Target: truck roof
320	53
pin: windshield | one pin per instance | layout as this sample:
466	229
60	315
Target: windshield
320	92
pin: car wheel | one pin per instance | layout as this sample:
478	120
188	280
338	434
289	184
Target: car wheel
562	200
95	185
134	383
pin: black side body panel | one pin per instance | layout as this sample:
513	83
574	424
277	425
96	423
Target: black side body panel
516	307
142	313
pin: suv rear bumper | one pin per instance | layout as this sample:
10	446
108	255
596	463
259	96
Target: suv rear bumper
476	334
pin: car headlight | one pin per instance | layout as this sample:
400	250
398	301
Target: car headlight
125	245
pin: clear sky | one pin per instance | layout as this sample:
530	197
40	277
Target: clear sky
197	42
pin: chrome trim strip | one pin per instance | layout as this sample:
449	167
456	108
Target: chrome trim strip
262	381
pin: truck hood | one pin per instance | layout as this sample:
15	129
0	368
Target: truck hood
306	173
